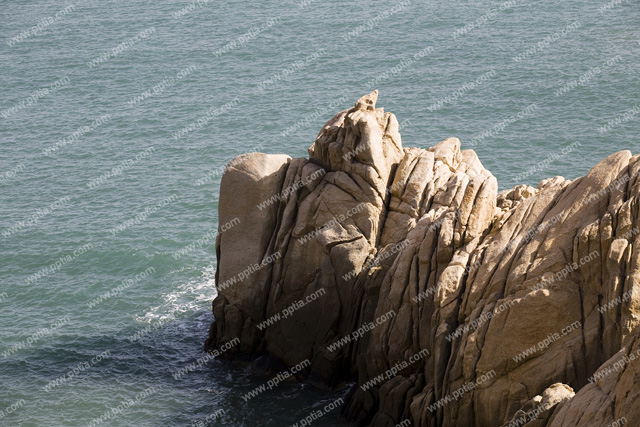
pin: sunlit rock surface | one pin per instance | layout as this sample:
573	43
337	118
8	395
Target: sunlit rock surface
447	303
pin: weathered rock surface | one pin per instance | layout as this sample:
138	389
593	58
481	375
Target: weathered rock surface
447	303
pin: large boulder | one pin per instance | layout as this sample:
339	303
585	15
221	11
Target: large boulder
446	302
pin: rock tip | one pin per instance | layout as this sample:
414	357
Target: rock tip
367	102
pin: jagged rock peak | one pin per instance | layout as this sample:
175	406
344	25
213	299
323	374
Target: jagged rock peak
367	102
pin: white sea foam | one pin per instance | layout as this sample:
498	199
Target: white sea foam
186	299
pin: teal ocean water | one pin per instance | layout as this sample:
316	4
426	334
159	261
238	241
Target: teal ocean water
117	117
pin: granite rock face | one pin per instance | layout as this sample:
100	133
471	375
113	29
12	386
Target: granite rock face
404	271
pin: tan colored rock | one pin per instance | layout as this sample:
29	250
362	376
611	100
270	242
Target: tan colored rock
246	242
611	399
537	411
514	299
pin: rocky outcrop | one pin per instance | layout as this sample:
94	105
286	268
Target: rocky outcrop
446	303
